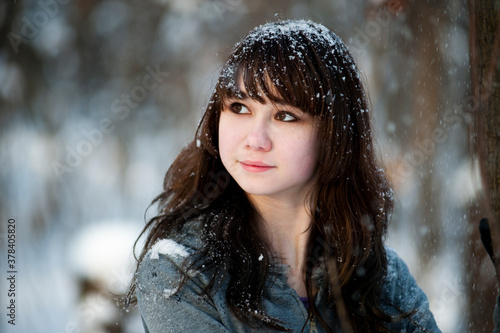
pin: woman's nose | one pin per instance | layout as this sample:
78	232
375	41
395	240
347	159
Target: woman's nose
258	136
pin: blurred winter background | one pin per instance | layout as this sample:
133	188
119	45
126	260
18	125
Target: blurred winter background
97	98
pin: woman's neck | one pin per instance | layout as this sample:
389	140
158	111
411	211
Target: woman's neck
286	227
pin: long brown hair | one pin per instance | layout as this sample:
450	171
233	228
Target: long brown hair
307	66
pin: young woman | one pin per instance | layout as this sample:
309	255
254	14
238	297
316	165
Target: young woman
273	218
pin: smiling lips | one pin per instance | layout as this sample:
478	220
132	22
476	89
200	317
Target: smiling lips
255	166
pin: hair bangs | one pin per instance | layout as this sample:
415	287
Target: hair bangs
269	68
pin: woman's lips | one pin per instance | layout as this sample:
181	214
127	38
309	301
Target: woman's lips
255	166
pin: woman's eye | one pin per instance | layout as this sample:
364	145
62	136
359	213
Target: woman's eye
238	108
285	116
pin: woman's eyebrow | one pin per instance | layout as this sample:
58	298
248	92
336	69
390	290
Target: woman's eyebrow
238	94
288	107
242	96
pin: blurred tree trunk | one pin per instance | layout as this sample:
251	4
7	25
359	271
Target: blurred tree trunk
485	67
425	19
485	72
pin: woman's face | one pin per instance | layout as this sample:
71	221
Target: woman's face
269	149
